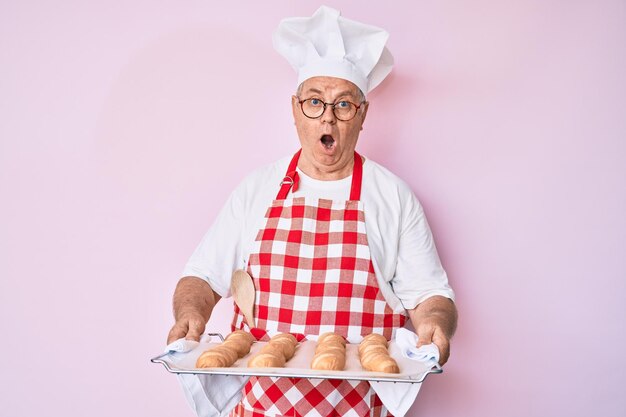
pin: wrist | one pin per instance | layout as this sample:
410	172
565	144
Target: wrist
189	315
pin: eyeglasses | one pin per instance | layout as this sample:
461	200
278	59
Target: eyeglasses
344	110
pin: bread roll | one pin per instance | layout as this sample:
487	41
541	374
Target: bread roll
285	336
285	346
240	348
374	355
329	361
273	348
330	348
329	345
266	360
212	359
229	352
275	353
385	364
330	353
236	345
375	338
241	336
331	337
372	348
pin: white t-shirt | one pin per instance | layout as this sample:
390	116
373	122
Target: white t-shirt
403	252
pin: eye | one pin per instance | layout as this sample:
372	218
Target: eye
343	104
315	102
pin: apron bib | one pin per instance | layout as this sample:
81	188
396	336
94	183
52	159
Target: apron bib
313	273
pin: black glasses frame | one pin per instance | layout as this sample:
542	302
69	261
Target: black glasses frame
333	107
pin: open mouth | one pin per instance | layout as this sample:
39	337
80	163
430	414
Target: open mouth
327	141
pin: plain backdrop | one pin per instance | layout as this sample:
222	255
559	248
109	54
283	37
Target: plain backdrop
124	125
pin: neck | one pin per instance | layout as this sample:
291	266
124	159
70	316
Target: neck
326	173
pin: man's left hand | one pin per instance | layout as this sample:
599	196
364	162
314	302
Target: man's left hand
435	322
429	331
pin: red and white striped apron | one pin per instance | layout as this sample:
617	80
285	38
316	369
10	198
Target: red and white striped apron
313	273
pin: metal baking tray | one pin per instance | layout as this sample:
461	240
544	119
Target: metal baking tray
299	366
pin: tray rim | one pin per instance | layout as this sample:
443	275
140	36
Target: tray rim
375	377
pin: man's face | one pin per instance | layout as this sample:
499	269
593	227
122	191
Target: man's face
328	143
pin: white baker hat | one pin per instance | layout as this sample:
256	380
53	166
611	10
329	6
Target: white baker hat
327	44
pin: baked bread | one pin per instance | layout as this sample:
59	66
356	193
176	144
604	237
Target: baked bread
375	338
267	360
240	341
285	336
330	353
329	361
241	335
331	337
285	346
275	353
235	346
374	355
212	359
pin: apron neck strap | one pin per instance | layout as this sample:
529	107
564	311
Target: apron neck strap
291	178
357	177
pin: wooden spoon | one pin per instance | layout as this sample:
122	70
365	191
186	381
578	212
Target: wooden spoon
242	288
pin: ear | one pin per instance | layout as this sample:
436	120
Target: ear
295	107
366	106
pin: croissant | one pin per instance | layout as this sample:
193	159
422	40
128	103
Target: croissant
285	346
212	359
266	360
240	341
236	345
338	349
331	337
330	353
382	363
276	353
374	338
241	335
374	355
285	336
329	361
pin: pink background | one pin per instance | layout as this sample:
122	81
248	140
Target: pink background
121	134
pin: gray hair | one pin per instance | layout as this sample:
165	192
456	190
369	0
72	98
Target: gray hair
360	95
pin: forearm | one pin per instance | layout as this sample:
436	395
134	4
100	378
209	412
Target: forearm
438	309
194	300
194	296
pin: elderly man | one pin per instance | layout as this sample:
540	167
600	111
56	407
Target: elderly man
333	241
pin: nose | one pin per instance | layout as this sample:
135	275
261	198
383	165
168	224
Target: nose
328	116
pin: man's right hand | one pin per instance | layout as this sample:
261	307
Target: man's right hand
193	303
190	327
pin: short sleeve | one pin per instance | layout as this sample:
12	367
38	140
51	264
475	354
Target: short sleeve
220	251
419	273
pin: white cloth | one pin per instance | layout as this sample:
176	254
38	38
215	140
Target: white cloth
407	342
212	395
403	252
399	397
327	44
181	346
